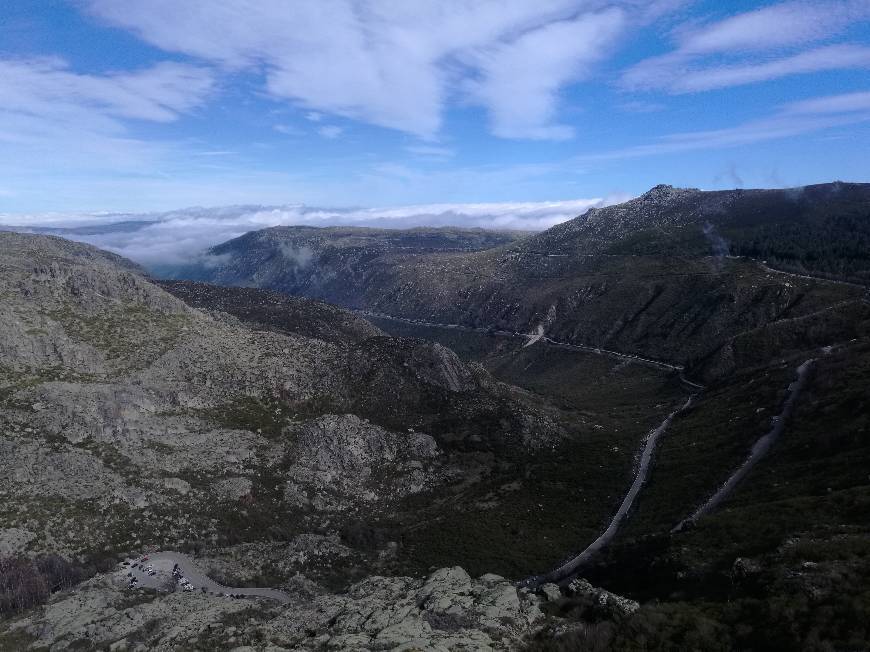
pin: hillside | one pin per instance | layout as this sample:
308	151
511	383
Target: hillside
275	311
669	275
327	263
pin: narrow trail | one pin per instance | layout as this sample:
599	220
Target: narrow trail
573	564
759	449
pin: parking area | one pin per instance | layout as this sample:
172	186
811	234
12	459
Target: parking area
172	571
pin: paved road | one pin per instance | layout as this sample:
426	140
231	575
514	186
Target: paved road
163	563
808	277
759	449
566	345
572	565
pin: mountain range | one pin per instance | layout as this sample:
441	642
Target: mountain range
669	394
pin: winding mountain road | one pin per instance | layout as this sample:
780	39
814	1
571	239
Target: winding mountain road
575	563
759	449
658	364
808	277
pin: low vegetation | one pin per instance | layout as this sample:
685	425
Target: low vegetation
29	581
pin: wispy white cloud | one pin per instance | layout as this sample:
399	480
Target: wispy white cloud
640	106
784	24
688	80
288	130
431	151
755	46
789	120
48	88
845	103
519	81
330	131
397	65
51	116
214	152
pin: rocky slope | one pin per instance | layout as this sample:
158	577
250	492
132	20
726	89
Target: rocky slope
130	418
133	421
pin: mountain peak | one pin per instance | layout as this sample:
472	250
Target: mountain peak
664	190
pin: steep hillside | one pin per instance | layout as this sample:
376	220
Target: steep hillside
328	263
819	228
782	563
276	311
668	275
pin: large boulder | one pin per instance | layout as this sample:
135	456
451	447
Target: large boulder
341	460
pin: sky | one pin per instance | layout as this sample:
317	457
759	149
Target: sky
535	109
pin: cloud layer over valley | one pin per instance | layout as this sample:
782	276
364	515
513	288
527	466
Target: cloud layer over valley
179	237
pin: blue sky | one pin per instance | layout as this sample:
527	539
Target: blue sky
108	105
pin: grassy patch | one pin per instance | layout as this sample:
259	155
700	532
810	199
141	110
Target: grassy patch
126	329
268	417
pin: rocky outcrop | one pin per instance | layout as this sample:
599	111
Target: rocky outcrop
341	460
445	611
440	366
